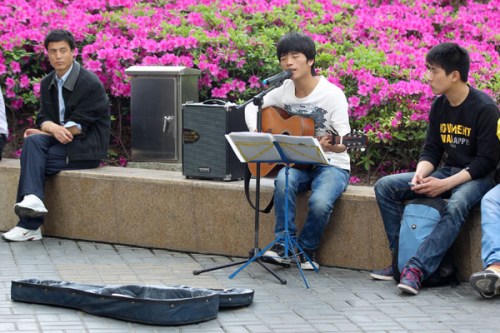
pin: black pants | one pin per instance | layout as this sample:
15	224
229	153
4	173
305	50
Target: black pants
42	157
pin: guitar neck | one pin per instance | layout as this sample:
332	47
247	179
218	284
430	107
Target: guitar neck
351	140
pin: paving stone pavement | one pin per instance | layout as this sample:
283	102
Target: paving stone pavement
338	300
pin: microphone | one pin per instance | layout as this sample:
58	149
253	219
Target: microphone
278	77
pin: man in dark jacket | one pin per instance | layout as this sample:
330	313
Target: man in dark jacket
73	130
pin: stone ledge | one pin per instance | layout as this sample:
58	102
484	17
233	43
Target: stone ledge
163	209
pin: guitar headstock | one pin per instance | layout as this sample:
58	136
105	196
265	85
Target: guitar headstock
355	140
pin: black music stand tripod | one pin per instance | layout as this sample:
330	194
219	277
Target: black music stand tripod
255	254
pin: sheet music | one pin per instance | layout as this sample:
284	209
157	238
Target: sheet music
301	149
253	146
266	147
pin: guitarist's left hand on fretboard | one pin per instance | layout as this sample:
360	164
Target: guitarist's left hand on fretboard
328	145
355	140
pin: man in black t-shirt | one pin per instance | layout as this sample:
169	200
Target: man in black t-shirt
457	162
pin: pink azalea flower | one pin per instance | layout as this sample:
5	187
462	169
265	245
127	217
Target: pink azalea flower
353	101
15	67
238	85
196	19
394	123
93	65
123	161
9	93
222	91
254	82
24	81
10	83
354	180
17	104
36	89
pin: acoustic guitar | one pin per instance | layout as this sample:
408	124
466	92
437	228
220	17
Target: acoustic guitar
277	121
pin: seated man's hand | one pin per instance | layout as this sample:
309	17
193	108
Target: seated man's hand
32	131
61	134
431	187
74	130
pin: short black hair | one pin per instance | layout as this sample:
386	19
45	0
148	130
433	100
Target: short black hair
297	42
450	57
60	35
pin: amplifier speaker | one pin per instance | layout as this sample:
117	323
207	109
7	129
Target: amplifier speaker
206	154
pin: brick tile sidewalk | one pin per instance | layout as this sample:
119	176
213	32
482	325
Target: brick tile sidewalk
338	300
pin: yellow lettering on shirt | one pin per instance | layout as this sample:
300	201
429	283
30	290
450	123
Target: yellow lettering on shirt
450	131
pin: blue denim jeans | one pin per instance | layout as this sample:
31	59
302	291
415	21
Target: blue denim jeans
391	192
326	182
490	224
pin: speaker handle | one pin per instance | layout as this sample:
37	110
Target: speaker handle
215	101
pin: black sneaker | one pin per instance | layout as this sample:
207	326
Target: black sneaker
276	255
306	264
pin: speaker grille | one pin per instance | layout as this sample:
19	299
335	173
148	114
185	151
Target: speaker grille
210	156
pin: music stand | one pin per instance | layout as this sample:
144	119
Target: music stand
258	101
286	149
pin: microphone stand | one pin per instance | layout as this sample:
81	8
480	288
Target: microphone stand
257	100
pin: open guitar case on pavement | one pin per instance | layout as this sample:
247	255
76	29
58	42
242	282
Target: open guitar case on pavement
153	305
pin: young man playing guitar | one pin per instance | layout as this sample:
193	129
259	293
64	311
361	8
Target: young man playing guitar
310	96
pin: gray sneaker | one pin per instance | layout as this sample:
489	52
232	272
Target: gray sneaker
486	283
384	274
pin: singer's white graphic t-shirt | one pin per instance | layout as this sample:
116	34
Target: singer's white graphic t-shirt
326	105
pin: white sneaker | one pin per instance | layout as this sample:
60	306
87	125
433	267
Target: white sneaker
31	206
18	234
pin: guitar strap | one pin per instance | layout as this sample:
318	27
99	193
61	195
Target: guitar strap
248	175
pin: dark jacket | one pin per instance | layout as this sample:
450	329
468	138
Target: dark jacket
86	104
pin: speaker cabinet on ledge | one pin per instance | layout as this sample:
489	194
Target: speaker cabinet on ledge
206	154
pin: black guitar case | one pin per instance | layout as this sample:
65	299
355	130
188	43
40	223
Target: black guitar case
154	305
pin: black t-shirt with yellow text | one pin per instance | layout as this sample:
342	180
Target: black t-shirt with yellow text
465	135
